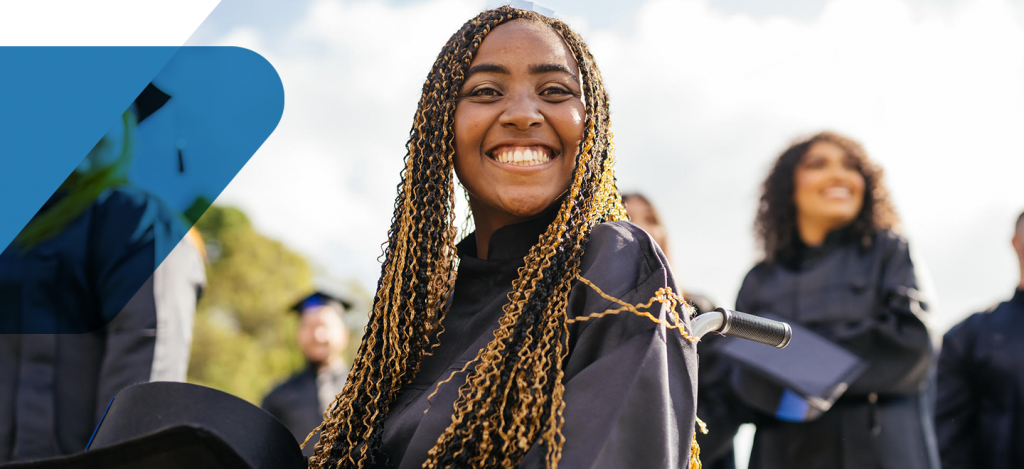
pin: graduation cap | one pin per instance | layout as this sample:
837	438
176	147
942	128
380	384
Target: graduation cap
316	299
149	101
797	383
164	425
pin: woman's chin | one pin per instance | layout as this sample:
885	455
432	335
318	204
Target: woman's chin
840	220
529	208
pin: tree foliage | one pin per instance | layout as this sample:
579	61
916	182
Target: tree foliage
244	339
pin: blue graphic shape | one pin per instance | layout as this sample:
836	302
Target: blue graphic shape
55	104
223	104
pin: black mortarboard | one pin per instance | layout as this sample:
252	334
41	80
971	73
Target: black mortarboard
149	101
318	298
182	426
797	383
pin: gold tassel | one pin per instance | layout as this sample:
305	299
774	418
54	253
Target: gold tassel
695	448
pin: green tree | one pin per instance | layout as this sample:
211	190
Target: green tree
244	340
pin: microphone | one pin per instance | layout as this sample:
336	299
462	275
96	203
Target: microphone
745	326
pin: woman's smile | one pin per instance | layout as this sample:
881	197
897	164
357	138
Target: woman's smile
535	157
840	192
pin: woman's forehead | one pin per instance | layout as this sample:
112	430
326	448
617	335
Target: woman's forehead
527	43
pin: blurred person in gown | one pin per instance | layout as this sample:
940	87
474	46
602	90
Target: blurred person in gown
980	411
834	264
643	214
300	401
83	314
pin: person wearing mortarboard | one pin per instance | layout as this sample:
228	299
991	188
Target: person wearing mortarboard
300	401
979	416
84	313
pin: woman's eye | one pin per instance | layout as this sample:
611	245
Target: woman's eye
485	92
815	164
555	91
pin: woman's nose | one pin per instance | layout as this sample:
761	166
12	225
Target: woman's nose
522	112
839	172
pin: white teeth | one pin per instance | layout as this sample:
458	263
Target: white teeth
522	156
837	192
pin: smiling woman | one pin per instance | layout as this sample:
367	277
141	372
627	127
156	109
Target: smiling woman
532	368
834	264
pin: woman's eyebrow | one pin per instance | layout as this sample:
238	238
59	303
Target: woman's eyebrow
548	68
536	69
485	68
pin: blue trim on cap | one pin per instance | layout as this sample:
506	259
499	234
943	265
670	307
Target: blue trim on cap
97	429
311	302
792	407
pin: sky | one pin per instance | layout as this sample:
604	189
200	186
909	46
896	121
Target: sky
705	94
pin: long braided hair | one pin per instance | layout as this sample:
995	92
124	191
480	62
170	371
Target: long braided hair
513	394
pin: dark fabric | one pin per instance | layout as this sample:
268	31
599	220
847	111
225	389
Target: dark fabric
173	448
295	404
864	299
709	362
630	386
183	426
980	409
57	378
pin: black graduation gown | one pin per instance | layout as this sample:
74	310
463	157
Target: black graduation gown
709	365
980	410
296	404
55	385
865	300
630	385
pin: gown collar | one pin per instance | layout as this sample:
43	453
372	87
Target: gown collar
806	256
510	242
1018	298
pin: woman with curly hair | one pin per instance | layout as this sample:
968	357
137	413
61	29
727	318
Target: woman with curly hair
834	264
504	349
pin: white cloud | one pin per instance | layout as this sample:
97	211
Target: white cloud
325	181
702	102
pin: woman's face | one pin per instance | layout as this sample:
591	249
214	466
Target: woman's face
518	123
643	216
828	187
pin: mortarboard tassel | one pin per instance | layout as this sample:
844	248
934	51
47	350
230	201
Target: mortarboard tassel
181	159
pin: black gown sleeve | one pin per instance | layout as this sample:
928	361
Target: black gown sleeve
893	337
630	384
955	410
